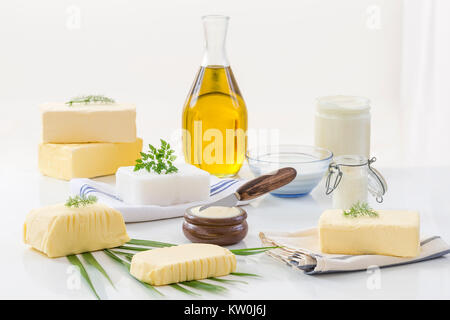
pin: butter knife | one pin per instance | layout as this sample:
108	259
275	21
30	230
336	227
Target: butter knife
256	188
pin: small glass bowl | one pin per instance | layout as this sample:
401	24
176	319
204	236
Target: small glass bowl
310	162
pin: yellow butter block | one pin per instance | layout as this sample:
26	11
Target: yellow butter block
185	262
82	123
87	160
60	231
392	233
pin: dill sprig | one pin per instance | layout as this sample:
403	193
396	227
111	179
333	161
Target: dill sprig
360	209
90	99
157	160
77	201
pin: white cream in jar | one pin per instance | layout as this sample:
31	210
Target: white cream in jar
353	187
216	212
342	125
350	179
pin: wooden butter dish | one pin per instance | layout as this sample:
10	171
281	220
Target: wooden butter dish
220	231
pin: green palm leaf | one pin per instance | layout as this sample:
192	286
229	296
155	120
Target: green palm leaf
157	244
248	253
226	280
150	287
90	259
144	245
184	290
127	255
133	248
204	286
150	243
73	259
110	254
243	274
251	251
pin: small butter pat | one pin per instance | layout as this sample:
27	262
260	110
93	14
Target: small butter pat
214	212
87	160
60	231
185	262
141	187
392	233
81	123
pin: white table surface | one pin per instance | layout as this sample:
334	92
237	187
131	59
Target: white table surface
26	274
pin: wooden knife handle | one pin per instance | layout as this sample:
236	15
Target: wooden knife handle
266	183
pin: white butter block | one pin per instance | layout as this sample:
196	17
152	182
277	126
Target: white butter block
141	187
81	123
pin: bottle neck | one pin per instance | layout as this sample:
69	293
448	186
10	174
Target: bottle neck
215	35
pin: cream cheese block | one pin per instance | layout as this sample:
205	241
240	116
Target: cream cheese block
87	160
60	231
185	262
81	123
141	187
392	233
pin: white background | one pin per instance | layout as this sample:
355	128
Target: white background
284	55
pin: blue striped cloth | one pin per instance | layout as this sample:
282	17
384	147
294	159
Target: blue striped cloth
134	213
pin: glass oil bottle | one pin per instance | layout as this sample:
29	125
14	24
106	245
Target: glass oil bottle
214	115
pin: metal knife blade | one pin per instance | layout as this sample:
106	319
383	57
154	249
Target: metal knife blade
229	201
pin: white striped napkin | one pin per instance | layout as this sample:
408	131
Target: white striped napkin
136	213
300	250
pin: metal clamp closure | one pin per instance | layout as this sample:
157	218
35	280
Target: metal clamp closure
332	170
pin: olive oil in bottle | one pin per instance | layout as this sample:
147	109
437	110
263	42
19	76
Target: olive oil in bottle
215	115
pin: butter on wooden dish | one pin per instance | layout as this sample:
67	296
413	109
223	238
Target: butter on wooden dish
219	225
388	232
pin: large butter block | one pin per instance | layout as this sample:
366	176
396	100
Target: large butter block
81	123
60	231
393	233
88	160
185	262
141	187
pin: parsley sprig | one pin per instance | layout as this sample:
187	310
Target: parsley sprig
77	201
157	160
360	209
90	99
